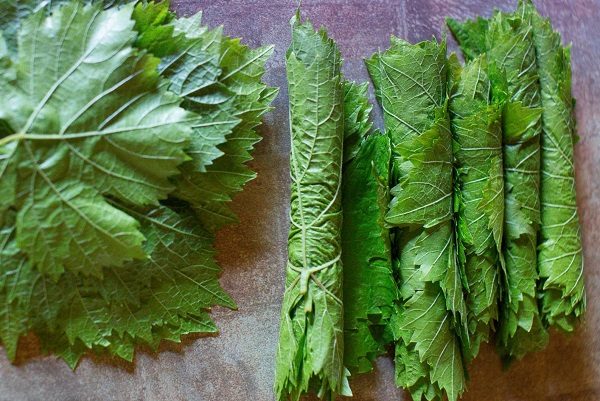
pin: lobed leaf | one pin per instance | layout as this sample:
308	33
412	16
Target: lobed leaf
114	151
120	135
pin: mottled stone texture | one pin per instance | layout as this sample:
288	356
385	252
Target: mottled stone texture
237	365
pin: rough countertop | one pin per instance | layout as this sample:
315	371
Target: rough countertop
238	364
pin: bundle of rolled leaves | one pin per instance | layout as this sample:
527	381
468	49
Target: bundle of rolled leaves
411	87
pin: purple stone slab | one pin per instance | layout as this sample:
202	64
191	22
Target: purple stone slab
238	365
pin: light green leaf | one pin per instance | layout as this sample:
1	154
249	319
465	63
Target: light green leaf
311	342
165	296
120	134
168	290
410	85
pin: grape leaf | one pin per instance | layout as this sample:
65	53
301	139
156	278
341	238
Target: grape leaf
417	201
120	135
410	85
169	290
172	291
220	80
310	354
509	45
13	12
479	198
369	287
560	257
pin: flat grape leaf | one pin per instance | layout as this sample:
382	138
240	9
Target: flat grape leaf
167	292
220	80
120	135
165	296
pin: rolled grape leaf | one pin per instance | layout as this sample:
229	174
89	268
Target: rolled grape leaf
560	258
509	46
410	85
310	354
479	197
369	287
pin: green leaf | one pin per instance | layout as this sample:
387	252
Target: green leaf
412	374
424	322
560	255
311	341
249	99
419	201
471	35
399	73
479	198
357	122
431	326
13	12
410	84
509	46
369	287
156	33
170	292
221	81
119	135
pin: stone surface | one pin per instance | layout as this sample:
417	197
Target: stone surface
238	364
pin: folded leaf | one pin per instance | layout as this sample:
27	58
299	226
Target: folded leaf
509	46
410	85
479	198
369	287
419	201
311	339
560	257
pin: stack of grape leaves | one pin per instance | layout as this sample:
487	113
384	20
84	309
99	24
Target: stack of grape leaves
125	133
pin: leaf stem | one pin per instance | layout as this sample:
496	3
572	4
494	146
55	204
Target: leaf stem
10	138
